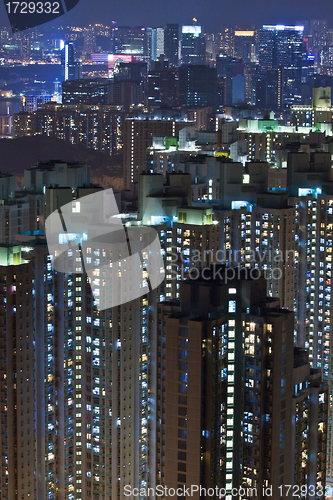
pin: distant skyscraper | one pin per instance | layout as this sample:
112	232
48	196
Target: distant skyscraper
318	32
157	43
281	47
245	45
171	43
193	45
226	43
197	86
69	68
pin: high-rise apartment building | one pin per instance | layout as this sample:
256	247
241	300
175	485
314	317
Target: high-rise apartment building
78	392
236	399
138	136
86	91
99	127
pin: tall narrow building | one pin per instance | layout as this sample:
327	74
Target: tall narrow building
281	47
171	44
236	398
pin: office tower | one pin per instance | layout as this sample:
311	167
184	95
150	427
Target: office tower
197	86
99	127
268	88
238	90
141	43
318	34
135	73
245	45
211	48
86	91
232	71
163	87
89	39
138	136
26	47
193	45
226	44
157	43
126	94
237	400
68	65
136	40
274	88
171	44
122	39
281	47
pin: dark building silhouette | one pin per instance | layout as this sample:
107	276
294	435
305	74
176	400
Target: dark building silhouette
163	87
171	43
197	86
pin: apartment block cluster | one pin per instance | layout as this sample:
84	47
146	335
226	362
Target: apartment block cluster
222	375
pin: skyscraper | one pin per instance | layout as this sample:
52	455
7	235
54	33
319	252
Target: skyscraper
193	46
157	43
171	44
70	69
281	47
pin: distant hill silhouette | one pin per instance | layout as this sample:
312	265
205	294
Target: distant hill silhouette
24	152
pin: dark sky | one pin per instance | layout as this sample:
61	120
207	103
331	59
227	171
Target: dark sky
211	14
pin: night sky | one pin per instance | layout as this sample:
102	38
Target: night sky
211	14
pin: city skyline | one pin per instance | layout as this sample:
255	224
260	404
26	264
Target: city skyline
166	253
130	13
